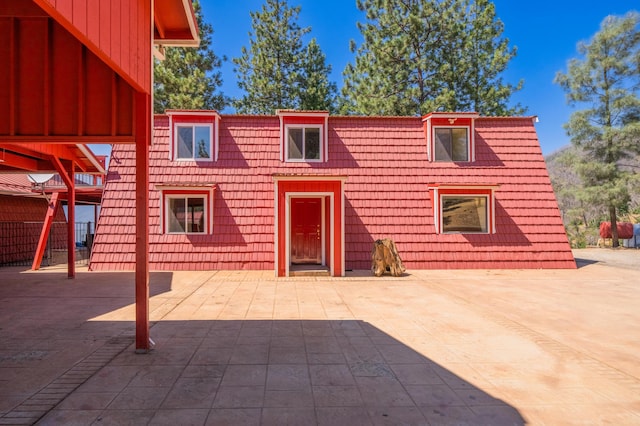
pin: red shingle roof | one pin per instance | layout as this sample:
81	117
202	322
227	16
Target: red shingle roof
386	195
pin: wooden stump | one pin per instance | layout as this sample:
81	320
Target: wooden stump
385	257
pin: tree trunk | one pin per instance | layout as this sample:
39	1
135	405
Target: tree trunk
614	227
385	257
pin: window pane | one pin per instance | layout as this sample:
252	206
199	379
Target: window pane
442	144
460	145
312	144
176	214
185	142
203	142
464	214
295	144
195	215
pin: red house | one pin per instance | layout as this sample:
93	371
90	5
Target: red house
303	189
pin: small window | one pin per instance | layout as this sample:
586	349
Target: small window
451	144
450	136
186	214
304	143
193	142
464	214
464	208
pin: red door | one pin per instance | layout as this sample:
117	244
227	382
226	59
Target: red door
306	230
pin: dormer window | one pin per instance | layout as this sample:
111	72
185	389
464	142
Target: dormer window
449	136
303	143
194	135
303	136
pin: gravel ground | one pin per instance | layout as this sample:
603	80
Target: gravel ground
626	258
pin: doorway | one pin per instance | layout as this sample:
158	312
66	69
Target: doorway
307	233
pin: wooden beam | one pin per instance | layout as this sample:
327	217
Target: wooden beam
46	228
71	224
68	139
143	138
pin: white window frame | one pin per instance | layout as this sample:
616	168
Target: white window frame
487	207
304	127
433	144
168	192
186	198
475	191
212	142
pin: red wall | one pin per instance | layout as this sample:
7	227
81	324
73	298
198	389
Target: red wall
118	32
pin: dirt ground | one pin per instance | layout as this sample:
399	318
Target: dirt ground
626	258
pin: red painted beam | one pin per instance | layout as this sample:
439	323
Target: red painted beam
68	179
143	139
44	234
71	224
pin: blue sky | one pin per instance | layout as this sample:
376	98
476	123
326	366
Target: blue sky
544	32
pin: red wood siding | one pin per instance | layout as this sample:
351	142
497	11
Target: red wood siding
119	33
53	86
386	195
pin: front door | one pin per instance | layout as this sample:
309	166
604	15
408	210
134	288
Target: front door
306	231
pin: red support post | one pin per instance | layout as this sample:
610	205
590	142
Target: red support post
143	138
71	223
44	234
69	180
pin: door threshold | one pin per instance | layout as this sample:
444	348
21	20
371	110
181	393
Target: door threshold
309	271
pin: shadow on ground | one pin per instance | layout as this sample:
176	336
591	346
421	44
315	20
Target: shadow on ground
275	373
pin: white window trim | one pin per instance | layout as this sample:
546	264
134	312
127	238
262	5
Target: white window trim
487	206
470	144
213	142
320	128
491	207
206	193
452	117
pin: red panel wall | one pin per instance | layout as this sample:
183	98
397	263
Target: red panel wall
103	25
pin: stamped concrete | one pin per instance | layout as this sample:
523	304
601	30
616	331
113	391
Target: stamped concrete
483	347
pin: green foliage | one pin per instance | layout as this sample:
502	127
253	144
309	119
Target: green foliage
277	71
188	78
607	80
420	56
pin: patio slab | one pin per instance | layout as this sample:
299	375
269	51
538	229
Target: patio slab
478	347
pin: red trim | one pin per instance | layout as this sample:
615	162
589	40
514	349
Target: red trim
335	241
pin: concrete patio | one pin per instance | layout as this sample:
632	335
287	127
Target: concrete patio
484	347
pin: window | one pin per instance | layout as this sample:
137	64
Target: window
194	135
463	208
303	143
451	144
450	136
186	215
464	214
304	136
193	142
186	208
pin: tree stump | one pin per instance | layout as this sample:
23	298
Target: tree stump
385	257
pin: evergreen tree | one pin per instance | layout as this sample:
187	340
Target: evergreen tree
188	78
607	79
277	71
316	92
428	55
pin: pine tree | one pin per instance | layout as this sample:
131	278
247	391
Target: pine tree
189	78
316	91
277	71
607	79
426	55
